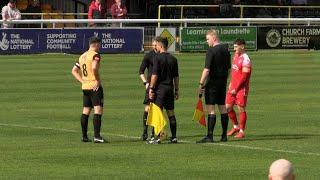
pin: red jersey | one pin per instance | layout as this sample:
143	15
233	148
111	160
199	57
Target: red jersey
95	12
115	10
240	61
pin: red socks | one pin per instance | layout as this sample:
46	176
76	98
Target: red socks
243	120
232	115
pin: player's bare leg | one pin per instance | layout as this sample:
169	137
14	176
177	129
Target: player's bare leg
243	120
233	117
173	125
224	122
84	123
98	110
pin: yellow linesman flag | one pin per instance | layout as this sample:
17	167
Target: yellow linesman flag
156	118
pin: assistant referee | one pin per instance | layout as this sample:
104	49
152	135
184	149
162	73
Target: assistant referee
164	85
213	83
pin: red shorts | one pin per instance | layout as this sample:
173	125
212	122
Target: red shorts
239	99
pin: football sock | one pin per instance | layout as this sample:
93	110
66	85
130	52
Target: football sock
211	124
243	120
233	117
145	126
84	125
97	125
224	123
173	126
152	132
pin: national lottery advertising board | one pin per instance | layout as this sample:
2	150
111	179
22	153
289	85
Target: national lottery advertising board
31	41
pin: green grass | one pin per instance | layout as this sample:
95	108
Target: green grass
40	106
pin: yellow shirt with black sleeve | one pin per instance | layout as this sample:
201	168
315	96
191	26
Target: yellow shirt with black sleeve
85	65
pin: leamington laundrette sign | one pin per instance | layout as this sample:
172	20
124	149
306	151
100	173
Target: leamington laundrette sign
194	39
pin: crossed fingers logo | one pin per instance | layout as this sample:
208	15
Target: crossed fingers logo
4	43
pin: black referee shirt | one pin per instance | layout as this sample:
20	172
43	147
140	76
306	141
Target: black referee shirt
218	61
166	68
147	63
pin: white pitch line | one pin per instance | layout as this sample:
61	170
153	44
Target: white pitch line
183	141
38	127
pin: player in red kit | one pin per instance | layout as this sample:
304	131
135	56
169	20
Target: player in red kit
239	88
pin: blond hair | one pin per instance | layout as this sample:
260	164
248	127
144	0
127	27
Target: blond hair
213	32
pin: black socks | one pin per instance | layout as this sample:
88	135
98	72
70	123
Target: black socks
211	123
97	125
145	126
173	126
224	123
84	125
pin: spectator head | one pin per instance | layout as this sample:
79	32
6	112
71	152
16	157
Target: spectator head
281	170
212	37
161	44
35	3
94	43
12	3
97	2
118	1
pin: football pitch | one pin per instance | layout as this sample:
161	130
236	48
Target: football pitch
40	121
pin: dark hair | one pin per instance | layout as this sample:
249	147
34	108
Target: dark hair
94	39
12	1
163	41
239	42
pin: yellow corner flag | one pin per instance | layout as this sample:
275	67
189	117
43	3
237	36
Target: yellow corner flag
156	118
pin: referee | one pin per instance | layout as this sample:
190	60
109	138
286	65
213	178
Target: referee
213	83
147	63
164	84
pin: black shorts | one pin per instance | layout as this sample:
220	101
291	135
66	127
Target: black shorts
93	98
146	100
215	92
164	97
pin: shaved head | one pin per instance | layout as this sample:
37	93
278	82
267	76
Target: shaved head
281	170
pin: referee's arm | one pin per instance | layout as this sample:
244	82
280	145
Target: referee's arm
142	68
176	80
204	76
154	77
206	70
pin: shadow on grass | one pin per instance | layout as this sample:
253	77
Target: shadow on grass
274	137
192	136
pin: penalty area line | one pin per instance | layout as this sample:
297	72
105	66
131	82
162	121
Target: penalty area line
183	141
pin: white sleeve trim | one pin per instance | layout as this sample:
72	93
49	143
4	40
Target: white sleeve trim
246	61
